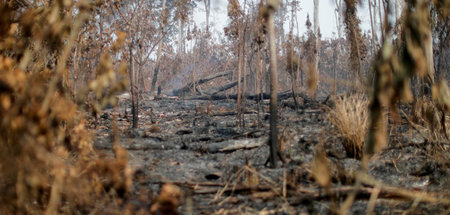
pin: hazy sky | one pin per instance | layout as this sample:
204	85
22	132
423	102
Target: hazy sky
326	16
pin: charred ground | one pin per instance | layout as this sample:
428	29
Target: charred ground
220	166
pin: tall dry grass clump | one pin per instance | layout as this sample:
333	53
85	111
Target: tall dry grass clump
350	117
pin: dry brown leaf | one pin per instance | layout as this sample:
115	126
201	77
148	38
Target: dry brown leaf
321	169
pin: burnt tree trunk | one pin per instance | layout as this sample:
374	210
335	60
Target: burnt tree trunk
240	65
155	78
273	139
158	55
134	100
372	29
207	10
316	43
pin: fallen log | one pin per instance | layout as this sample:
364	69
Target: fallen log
233	145
188	87
281	96
222	88
231	113
420	195
301	194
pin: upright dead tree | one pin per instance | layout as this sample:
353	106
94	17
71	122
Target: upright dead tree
237	30
143	37
338	17
207	10
182	9
354	36
309	47
241	68
134	98
316	44
268	13
162	24
372	28
374	13
380	17
293	62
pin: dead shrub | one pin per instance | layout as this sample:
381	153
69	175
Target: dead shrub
350	117
47	163
429	119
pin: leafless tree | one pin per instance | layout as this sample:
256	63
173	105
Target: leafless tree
143	37
208	11
271	7
163	22
338	16
372	27
317	42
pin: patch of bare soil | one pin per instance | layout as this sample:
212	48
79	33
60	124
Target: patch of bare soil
219	165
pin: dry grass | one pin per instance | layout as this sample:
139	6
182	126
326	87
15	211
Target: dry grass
430	120
48	165
350	117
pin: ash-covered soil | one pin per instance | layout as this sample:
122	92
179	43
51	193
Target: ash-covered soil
220	165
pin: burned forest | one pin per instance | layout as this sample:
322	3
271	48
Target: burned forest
224	107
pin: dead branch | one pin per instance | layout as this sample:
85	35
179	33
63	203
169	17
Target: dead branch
187	88
215	90
412	195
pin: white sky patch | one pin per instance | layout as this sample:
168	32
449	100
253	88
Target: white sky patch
219	18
